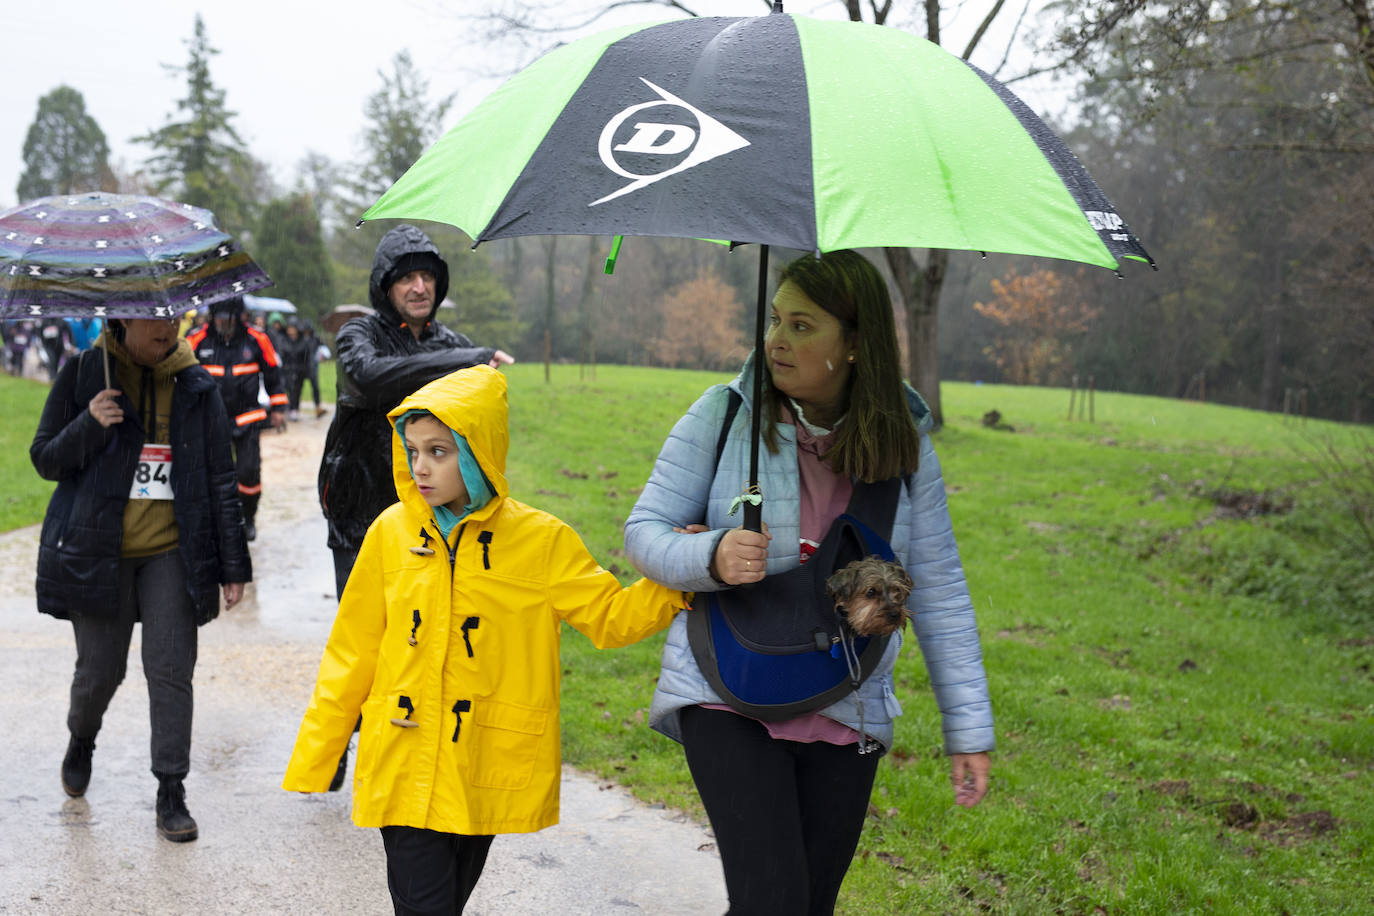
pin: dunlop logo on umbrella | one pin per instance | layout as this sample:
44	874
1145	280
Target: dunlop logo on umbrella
708	140
1104	222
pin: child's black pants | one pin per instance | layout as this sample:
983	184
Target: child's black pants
431	873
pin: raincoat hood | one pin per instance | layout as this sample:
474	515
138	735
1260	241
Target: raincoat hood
472	403
396	244
180	357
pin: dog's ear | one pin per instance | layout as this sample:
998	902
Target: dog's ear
841	583
898	583
903	579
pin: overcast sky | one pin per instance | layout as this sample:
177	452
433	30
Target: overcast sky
297	73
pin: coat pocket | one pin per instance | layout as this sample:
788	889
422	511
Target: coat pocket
383	748
507	738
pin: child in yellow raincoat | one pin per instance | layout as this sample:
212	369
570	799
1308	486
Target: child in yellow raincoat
447	641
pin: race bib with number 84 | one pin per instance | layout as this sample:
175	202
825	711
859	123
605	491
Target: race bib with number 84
153	475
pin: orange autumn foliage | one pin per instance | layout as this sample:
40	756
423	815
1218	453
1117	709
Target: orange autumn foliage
1039	326
700	329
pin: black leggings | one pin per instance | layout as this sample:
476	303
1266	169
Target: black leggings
431	873
786	815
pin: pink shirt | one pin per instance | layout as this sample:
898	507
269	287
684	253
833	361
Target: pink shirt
824	497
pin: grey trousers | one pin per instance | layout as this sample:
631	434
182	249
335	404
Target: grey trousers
152	590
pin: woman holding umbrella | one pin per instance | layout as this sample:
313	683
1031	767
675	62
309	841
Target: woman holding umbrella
787	796
117	548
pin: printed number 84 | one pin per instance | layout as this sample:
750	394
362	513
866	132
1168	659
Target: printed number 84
148	472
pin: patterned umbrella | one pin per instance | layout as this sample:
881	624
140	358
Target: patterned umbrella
117	256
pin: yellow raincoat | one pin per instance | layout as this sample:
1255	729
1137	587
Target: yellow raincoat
452	655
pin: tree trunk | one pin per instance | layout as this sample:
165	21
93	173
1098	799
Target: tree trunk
550	300
1271	311
584	304
1271	326
919	292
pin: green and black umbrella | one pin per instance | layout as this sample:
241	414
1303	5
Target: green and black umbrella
777	130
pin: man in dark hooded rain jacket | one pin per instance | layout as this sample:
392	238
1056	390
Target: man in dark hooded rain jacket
382	359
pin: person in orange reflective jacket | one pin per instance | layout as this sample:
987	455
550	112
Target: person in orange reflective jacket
240	356
447	641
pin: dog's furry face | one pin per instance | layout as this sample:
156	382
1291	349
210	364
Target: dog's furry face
872	594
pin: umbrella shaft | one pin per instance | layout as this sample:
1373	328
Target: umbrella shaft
753	512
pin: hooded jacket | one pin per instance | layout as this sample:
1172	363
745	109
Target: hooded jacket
687	486
84	528
380	362
450	649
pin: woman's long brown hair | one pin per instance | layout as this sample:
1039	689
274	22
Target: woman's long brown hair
877	439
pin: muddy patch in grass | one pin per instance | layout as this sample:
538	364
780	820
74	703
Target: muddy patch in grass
1231	503
1241	814
1032	634
1298	828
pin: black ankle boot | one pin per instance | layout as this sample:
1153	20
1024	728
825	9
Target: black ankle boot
174	822
76	766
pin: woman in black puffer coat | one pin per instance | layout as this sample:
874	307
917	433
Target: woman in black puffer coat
144	526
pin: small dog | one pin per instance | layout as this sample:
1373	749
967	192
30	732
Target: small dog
871	593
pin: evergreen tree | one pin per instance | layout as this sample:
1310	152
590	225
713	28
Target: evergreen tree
401	123
199	158
289	246
65	149
318	176
485	309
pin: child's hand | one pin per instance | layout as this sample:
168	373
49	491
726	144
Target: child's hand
691	529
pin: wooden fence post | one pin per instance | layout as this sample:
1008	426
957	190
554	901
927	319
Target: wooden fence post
1073	395
1092	390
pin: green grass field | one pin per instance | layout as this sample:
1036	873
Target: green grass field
1181	676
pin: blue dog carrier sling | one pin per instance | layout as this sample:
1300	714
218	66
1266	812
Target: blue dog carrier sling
777	648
